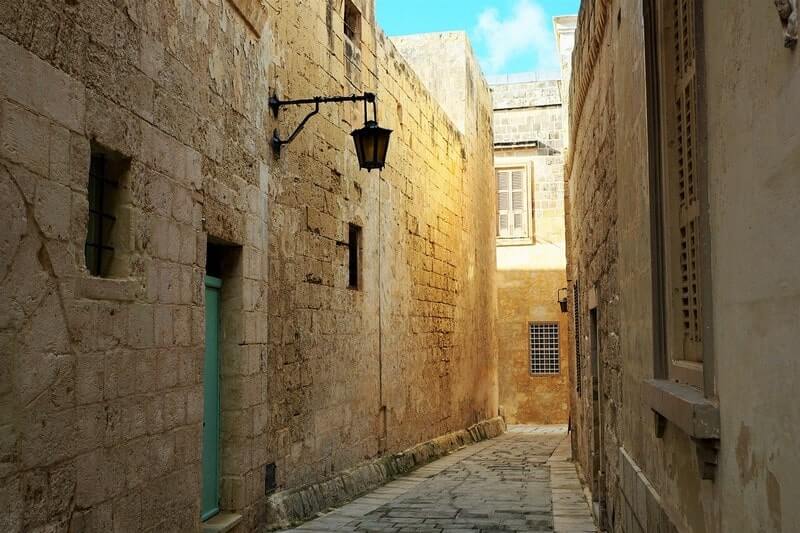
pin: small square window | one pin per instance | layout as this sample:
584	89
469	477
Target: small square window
545	349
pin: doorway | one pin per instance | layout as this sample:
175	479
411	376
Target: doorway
598	481
209	505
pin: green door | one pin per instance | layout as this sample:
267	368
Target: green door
209	505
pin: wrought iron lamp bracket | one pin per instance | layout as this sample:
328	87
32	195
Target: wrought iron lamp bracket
275	104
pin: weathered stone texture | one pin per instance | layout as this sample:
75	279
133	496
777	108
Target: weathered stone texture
303	503
528	113
527	94
101	386
462	90
592	256
651	483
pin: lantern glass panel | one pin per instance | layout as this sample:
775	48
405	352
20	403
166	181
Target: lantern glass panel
382	145
372	143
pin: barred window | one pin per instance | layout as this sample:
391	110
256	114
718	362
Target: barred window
545	348
109	216
102	201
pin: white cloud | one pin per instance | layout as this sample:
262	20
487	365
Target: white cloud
527	31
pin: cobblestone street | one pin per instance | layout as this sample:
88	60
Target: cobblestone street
520	481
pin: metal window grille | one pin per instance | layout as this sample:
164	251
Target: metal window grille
99	250
544	348
576	325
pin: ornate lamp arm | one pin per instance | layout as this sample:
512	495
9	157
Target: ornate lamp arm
275	105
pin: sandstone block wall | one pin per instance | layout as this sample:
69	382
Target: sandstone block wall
529	111
101	391
462	91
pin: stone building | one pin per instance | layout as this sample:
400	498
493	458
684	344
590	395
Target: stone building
529	143
532	330
191	323
682	257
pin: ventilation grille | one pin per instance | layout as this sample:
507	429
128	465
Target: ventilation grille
544	348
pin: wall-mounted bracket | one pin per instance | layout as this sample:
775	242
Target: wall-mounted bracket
707	451
688	410
275	104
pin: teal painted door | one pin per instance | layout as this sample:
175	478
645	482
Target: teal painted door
209	505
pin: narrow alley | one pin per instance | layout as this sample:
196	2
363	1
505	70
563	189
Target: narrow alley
399	266
520	481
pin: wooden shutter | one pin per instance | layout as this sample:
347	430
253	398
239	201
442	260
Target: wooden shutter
503	202
519	222
512	209
682	189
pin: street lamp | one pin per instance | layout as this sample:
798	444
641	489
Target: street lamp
562	299
371	141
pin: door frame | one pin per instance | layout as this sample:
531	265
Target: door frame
598	437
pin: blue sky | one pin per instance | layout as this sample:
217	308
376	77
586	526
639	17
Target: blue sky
509	36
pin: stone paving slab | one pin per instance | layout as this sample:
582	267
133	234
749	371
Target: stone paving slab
522	481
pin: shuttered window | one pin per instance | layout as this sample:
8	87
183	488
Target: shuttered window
679	203
512	203
682	215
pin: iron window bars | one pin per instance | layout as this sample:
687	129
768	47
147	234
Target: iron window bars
545	353
98	249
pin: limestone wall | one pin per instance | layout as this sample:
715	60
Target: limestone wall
528	94
653	483
101	388
592	244
458	84
527	113
753	170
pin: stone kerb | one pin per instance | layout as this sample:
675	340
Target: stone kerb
294	506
